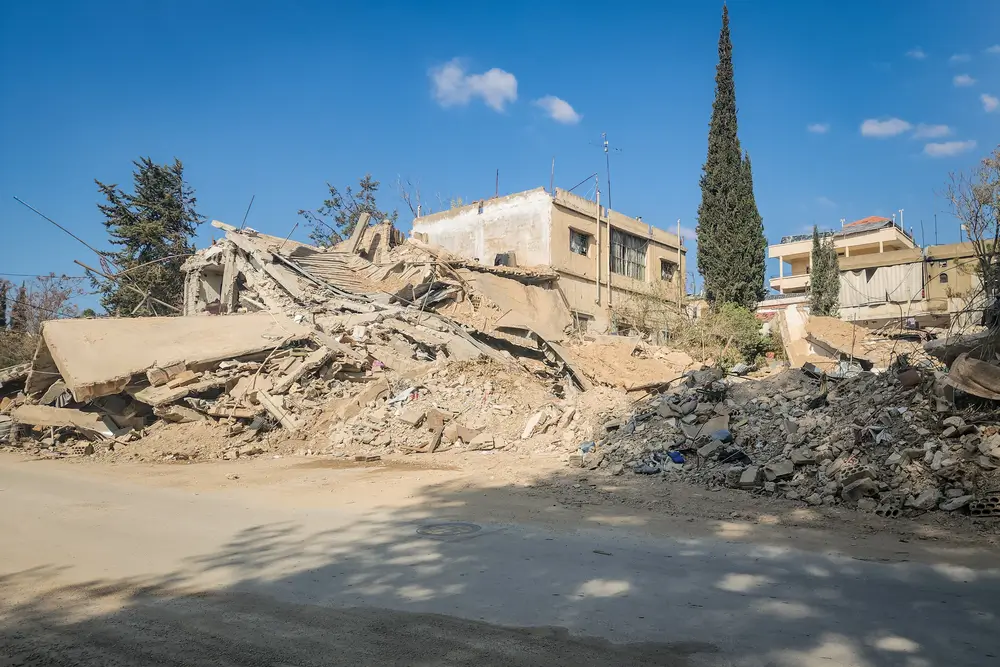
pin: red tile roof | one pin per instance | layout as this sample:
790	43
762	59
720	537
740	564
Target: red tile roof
871	218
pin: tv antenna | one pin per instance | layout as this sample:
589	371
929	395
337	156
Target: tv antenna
607	160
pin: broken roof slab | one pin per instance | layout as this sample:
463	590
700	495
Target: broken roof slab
98	357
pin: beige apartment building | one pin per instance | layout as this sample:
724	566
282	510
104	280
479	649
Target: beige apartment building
884	275
602	257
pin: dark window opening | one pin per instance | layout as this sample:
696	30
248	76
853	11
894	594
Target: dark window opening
667	269
943	278
578	242
628	255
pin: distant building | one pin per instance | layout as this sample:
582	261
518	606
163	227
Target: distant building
883	276
602	257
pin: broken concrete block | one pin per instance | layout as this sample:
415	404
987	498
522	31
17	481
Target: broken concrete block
955	503
531	424
779	470
867	504
955	421
858	489
413	416
179	414
710	448
893	459
183	379
750	477
802	456
926	500
483	441
950	432
815	499
454	432
855	472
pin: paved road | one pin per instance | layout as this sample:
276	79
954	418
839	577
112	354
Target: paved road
105	572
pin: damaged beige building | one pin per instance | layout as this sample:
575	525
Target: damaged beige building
602	258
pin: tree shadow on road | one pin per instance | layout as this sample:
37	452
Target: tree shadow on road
420	588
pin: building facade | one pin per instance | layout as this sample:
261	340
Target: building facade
603	258
883	276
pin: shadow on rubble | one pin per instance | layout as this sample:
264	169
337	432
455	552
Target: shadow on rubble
373	590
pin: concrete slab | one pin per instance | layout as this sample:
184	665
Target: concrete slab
98	357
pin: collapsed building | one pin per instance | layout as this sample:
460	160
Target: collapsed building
389	345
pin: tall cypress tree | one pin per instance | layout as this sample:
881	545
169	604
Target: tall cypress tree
731	243
153	227
824	277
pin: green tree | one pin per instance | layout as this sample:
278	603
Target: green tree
4	287
731	244
335	220
88	312
824	276
154	227
19	315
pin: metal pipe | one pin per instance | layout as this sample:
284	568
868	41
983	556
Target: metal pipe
597	266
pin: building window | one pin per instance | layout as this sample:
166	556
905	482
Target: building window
578	242
628	255
943	278
667	269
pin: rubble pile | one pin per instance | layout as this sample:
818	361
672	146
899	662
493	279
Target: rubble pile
889	443
412	352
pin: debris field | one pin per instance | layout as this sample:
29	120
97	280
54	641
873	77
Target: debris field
390	346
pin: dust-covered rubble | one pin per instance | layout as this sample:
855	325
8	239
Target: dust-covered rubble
870	441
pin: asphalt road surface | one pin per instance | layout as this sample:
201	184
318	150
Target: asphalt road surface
97	571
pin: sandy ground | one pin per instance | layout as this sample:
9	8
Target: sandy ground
308	561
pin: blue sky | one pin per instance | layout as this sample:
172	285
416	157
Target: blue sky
848	109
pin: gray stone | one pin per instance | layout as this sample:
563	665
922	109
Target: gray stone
779	470
815	499
893	459
950	432
482	441
750	477
710	448
858	489
733	476
867	505
770	487
617	469
926	500
955	421
791	426
802	456
955	503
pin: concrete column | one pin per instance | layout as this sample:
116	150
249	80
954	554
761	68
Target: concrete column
781	267
847	251
881	248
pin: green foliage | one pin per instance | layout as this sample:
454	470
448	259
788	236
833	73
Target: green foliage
4	288
731	243
730	334
154	227
88	312
20	310
824	277
335	220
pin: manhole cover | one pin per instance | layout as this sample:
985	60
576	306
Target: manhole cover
450	529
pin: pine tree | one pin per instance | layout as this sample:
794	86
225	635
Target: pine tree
19	315
824	277
154	226
731	243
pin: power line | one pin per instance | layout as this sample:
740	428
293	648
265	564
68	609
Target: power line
42	275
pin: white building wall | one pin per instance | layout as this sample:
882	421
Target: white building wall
521	223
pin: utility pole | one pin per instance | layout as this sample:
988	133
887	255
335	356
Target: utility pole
935	230
680	268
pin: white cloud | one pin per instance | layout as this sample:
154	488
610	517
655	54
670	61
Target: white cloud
559	110
818	128
961	80
959	58
990	103
925	131
826	201
916	54
949	148
452	86
994	49
880	129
